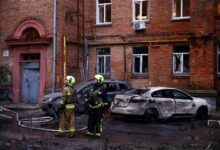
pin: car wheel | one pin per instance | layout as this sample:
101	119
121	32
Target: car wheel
202	113
151	115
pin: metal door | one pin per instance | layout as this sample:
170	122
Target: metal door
30	82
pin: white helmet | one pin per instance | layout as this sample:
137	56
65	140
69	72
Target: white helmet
70	80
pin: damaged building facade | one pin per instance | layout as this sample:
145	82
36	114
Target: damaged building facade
147	42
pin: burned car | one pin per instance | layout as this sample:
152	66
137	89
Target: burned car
155	103
50	102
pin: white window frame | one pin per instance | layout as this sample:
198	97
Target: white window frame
181	62
218	57
105	60
133	11
141	62
98	13
181	11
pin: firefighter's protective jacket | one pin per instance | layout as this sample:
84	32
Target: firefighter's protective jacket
69	97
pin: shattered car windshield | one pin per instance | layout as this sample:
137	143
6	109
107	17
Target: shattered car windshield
139	91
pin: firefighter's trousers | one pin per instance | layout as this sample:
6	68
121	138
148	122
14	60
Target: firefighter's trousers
67	120
94	121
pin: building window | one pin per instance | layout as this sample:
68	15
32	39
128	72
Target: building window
218	59
103	11
181	9
181	60
30	34
140	60
140	10
103	61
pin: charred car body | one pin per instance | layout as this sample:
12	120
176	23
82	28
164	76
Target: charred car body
155	103
50	102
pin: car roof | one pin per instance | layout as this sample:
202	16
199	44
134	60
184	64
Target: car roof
155	88
83	84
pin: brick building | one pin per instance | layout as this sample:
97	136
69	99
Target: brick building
31	33
147	42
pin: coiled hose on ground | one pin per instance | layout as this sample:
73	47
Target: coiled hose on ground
33	120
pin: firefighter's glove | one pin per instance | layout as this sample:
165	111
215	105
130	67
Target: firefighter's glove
61	107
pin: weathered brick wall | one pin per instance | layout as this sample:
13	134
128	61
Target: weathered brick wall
161	27
14	12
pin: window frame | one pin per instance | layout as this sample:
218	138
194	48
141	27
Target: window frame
181	72
104	16
140	11
141	62
181	11
105	59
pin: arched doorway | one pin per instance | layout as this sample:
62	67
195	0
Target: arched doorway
28	47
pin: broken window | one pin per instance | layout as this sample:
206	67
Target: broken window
218	55
32	56
181	9
103	11
103	61
30	34
181	60
140	10
180	95
140	60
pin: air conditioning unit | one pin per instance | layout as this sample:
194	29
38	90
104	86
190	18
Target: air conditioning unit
139	25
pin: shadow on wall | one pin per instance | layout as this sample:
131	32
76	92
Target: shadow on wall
5	83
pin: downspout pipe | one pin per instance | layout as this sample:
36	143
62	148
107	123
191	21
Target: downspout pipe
87	57
54	46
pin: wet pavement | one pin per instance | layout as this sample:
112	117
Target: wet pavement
120	134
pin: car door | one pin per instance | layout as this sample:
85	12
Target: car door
184	102
164	101
83	96
111	90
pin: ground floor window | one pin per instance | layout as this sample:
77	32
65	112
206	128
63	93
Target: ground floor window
140	60
218	59
103	61
181	60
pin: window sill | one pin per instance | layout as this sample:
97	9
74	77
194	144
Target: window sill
180	76
180	19
139	76
103	25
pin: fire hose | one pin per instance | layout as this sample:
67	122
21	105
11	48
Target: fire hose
32	120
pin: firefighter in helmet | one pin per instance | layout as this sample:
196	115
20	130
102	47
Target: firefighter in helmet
68	106
97	103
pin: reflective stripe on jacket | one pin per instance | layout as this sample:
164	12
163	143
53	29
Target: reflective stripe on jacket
70	106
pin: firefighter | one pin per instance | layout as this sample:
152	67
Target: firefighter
67	104
97	103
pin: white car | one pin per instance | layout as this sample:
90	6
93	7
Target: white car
155	103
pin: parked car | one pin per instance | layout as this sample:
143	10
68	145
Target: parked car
155	103
50	102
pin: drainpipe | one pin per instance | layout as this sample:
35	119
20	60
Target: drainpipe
64	57
54	46
87	58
